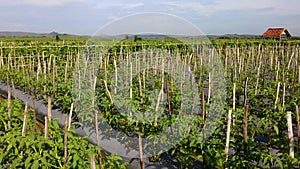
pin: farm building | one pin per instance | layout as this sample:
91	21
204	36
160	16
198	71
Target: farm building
277	33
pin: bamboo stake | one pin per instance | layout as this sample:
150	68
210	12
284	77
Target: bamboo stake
299	74
277	95
116	75
203	105
66	141
46	126
233	97
283	95
70	116
66	71
97	139
108	92
160	95
141	151
228	134
168	98
38	68
130	94
233	104
298	125
96	126
246	107
25	120
257	79
245	90
140	84
9	108
209	87
290	133
49	108
277	71
93	161
289	64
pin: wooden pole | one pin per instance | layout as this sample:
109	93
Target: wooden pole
228	134
233	104
93	161
108	92
9	108
209	87
141	151
298	125
246	107
49	108
97	139
277	95
66	141
116	75
233	96
245	90
257	79
283	95
46	127
290	133
70	116
203	105
25	120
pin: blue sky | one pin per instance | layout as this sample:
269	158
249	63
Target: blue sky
85	17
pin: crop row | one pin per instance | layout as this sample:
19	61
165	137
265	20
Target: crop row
257	82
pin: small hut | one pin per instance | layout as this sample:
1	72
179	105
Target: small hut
277	33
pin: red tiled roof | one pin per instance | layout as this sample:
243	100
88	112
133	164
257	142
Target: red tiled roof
275	32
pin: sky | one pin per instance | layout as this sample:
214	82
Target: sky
212	17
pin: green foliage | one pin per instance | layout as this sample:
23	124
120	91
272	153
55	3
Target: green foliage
266	124
36	151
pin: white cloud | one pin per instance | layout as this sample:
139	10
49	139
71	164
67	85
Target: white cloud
115	6
39	2
275	7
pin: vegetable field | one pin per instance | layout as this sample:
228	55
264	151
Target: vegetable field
248	89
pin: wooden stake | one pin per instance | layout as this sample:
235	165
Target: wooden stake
93	161
140	84
228	134
97	139
9	108
25	120
203	105
49	108
298	125
160	95
66	141
141	151
246	107
70	116
108	92
257	79
116	75
46	126
209	87
290	133
277	95
66	71
283	95
245	90
233	104
233	97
